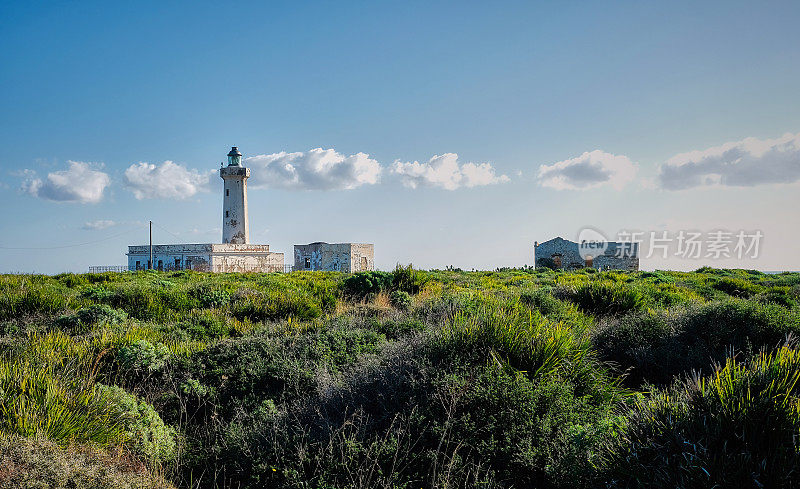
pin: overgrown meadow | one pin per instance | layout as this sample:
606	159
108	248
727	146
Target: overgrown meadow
404	379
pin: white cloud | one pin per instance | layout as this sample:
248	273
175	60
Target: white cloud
589	170
79	183
99	224
166	181
446	172
744	163
317	169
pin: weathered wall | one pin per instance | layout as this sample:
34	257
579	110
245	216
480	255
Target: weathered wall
564	254
207	257
235	225
344	257
558	249
240	261
362	257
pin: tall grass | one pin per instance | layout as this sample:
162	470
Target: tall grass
60	403
526	341
739	427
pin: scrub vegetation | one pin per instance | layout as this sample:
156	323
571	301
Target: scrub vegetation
403	379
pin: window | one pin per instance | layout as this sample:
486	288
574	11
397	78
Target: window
227	214
177	263
161	264
138	264
364	263
227	192
308	263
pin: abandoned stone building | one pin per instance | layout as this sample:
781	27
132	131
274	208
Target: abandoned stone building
335	257
569	255
234	254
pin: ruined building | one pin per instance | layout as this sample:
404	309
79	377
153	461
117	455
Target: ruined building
569	255
335	257
234	254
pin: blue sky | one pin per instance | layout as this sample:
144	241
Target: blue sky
563	116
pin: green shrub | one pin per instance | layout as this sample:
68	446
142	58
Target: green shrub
23	296
783	296
96	293
362	284
736	287
145	433
607	298
656	346
411	421
207	326
88	317
395	329
208	296
400	299
542	300
61	404
29	463
259	307
526	342
407	279
142	358
736	428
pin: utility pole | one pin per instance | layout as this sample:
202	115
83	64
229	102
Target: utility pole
150	263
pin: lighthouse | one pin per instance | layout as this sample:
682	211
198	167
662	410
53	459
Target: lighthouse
235	228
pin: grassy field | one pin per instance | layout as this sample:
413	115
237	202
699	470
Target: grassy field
403	379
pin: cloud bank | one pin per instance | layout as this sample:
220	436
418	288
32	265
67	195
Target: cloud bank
80	183
446	172
317	169
166	181
744	163
589	170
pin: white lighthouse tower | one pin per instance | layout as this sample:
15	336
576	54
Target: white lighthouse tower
235	228
234	254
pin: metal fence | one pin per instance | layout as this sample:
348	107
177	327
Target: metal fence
108	268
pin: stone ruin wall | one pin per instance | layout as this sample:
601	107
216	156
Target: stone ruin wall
345	257
571	259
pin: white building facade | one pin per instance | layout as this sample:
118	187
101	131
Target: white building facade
335	257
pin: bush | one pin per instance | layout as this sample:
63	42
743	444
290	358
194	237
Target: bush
400	299
29	463
543	301
603	298
88	317
244	371
736	428
407	279
145	433
259	307
209	296
62	405
736	287
142	358
526	342
657	346
411	421
783	296
362	284
22	296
